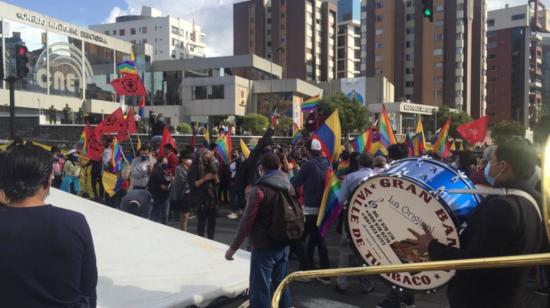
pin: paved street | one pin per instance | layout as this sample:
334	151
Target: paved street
317	295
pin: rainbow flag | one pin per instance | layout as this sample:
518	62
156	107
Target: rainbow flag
385	130
117	156
378	149
223	147
82	145
296	135
330	205
419	141
311	104
363	142
127	67
410	144
441	142
330	136
342	169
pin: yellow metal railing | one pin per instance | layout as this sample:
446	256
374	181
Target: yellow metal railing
481	263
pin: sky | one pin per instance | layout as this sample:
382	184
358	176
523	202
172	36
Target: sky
215	17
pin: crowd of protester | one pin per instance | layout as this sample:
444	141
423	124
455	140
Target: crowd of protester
185	183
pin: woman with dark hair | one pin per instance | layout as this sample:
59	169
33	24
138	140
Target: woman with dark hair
202	179
48	257
159	187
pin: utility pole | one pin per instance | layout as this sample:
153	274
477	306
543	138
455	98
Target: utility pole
11	84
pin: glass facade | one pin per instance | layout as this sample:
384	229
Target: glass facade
60	64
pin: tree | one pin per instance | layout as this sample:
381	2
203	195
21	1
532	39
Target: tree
184	128
457	119
505	130
542	130
255	123
285	124
353	116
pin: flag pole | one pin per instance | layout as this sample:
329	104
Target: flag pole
131	143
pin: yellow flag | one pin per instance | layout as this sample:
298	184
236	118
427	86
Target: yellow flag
109	183
245	149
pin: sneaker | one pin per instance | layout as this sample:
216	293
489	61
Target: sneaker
367	289
541	291
232	215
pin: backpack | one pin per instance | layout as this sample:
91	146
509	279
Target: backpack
287	223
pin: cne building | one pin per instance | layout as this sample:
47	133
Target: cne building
69	66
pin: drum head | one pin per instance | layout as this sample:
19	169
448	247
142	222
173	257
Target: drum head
380	212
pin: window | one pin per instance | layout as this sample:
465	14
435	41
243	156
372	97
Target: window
459	50
492	45
438	52
379	45
200	92
379	31
438	65
439	8
438	23
410	17
107	32
378	59
518	16
143	29
491	56
409	70
409	44
132	31
409	84
439	37
490	22
409	30
379	4
175	30
438	80
114	32
379	18
121	32
409	3
408	57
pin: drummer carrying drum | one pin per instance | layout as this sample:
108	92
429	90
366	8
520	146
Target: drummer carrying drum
500	226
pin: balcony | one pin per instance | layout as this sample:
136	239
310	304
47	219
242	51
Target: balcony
537	84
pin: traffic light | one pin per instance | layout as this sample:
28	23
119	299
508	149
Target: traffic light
21	61
428	9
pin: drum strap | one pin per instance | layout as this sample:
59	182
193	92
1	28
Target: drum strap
528	197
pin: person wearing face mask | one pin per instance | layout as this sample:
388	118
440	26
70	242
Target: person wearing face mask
71	174
48	256
202	178
499	226
141	168
159	187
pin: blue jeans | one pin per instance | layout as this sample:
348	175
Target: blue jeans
268	267
160	211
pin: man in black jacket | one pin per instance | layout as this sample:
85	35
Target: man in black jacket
500	226
269	260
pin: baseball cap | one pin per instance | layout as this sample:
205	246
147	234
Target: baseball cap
315	145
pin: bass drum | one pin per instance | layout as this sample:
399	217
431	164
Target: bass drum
412	192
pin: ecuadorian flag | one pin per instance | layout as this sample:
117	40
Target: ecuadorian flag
330	136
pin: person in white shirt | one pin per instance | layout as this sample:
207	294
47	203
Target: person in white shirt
141	168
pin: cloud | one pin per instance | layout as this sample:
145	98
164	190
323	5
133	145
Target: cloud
215	17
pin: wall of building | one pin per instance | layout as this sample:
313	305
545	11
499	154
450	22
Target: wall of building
171	37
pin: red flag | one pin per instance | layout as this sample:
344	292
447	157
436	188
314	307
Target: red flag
131	122
116	124
129	85
166	139
95	147
474	131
